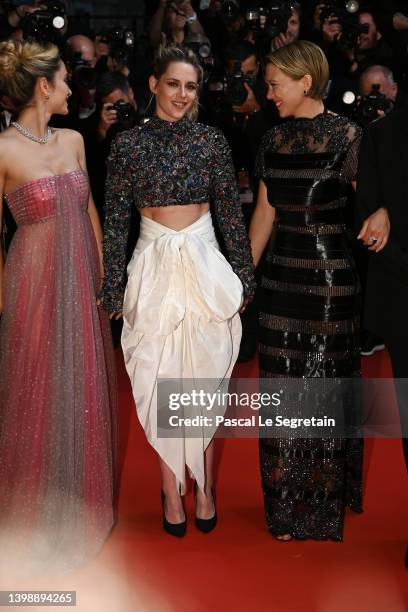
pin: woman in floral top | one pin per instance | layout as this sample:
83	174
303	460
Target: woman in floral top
181	299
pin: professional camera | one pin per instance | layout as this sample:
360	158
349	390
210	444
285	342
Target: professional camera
201	45
119	35
269	16
216	86
126	113
365	110
230	9
346	14
235	92
45	24
82	72
278	14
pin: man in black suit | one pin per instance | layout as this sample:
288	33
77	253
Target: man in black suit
382	205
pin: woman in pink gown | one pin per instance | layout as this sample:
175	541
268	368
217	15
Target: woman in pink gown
57	391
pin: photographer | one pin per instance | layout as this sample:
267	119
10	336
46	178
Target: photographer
81	58
377	97
169	23
292	31
117	104
116	110
245	119
353	42
242	66
12	20
44	21
380	79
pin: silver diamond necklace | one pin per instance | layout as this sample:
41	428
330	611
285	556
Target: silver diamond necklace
27	134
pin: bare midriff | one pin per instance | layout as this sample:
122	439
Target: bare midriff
176	217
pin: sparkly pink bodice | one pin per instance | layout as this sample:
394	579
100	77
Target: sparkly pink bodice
35	201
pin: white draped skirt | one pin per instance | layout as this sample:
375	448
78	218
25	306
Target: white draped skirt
180	321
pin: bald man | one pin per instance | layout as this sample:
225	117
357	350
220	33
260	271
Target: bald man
378	75
83	45
83	104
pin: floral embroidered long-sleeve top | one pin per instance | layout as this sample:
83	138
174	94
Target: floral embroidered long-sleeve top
164	163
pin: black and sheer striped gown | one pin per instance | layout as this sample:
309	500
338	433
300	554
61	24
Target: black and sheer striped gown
309	309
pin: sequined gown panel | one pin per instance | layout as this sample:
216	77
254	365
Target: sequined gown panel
309	316
57	381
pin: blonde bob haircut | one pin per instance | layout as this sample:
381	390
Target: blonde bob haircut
300	58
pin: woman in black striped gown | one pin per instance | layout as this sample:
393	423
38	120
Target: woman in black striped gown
310	292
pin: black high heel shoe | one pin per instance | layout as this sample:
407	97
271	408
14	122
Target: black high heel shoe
205	525
175	529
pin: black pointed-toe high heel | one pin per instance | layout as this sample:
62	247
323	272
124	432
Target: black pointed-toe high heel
175	529
205	525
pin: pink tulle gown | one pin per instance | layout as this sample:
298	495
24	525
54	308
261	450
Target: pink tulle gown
57	382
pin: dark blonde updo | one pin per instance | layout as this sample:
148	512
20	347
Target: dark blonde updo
21	64
176	54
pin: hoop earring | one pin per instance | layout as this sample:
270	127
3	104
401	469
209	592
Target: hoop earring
150	102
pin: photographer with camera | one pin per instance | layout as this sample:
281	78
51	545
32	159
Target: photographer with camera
293	28
81	59
170	22
377	97
352	40
116	111
244	121
379	91
15	15
117	103
43	21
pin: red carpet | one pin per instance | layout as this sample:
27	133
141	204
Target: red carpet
240	566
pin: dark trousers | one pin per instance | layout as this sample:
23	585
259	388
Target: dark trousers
398	350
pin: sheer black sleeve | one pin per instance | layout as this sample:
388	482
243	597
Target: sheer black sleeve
266	144
225	198
350	165
118	204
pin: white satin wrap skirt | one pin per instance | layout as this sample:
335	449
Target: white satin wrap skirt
180	320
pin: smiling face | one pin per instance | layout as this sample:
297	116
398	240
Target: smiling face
176	90
287	93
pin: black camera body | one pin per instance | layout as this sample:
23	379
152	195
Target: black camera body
278	14
269	16
235	92
82	72
201	45
366	109
120	35
46	24
230	9
126	113
351	27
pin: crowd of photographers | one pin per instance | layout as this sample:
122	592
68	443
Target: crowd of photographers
366	45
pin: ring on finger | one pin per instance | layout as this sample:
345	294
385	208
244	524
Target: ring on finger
372	240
